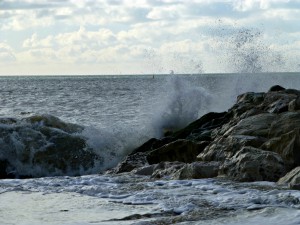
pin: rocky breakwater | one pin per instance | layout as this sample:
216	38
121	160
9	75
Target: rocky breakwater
258	139
43	145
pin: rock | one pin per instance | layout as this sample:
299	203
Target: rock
251	97
284	123
65	153
198	170
207	122
258	125
276	88
225	147
4	169
145	170
131	162
252	164
287	146
180	150
277	102
54	122
180	170
167	170
292	179
43	146
152	144
246	102
294	105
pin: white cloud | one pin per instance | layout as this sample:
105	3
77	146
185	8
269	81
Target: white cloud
6	53
122	34
246	5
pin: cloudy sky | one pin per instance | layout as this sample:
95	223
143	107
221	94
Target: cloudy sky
148	36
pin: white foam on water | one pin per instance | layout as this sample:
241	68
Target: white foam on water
126	193
266	216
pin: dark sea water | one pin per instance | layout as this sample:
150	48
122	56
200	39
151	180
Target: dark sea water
119	113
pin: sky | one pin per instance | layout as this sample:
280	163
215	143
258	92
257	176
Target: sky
94	37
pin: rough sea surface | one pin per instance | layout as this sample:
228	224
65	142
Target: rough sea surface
118	114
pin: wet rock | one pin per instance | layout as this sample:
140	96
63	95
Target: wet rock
277	102
43	146
292	179
251	97
294	105
180	150
131	162
145	170
284	123
65	153
252	164
166	170
4	170
198	170
225	147
207	122
287	146
276	88
246	102
258	125
54	122
152	144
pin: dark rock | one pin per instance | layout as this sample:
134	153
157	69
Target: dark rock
152	144
225	147
287	146
145	170
198	170
131	162
258	125
54	122
252	164
167	169
284	123
180	150
276	88
66	153
246	102
251	97
207	122
4	170
277	102
44	146
294	105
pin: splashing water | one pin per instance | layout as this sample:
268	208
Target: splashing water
246	50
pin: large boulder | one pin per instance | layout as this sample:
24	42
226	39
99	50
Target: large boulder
277	102
225	147
166	170
284	123
43	146
180	150
287	146
257	125
292	179
198	170
206	123
131	162
252	164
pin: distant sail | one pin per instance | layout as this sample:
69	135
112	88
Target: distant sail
171	71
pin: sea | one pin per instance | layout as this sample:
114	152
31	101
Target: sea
119	113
